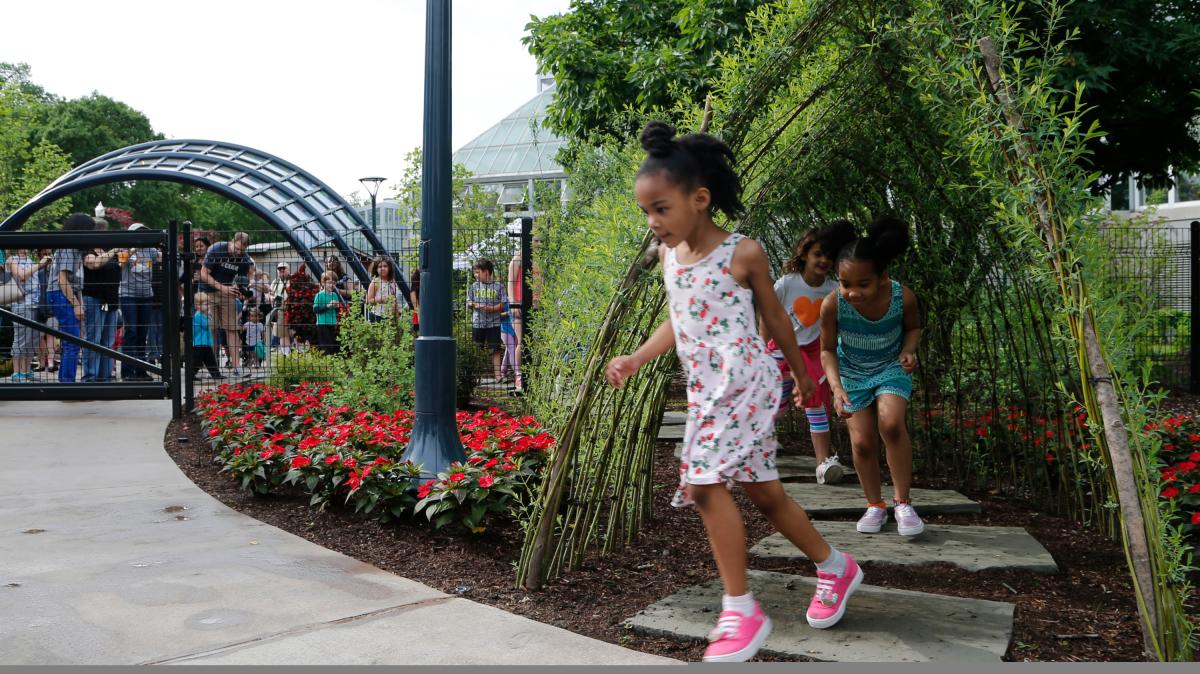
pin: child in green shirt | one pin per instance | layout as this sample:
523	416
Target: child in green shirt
325	306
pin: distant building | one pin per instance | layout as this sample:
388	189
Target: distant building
516	152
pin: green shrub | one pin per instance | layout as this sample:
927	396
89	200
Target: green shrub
472	364
301	366
377	368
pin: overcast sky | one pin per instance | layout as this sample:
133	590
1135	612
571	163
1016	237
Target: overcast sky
334	86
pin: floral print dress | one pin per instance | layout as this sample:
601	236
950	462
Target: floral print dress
733	383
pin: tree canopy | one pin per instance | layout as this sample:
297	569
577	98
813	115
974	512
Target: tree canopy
612	56
1137	60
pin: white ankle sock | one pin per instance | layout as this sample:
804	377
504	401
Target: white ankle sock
743	604
835	563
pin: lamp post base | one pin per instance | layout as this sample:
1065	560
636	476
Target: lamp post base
435	441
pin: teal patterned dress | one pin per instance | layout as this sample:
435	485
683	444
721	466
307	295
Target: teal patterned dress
733	383
869	352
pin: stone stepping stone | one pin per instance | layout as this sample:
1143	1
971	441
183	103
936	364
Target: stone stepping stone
673	432
791	466
802	467
973	548
880	625
835	500
673	418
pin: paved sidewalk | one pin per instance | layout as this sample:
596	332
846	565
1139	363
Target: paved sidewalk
110	555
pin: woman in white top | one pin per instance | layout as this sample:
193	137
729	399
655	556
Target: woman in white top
383	295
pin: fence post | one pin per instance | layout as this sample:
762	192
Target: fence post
170	323
1194	303
185	354
526	273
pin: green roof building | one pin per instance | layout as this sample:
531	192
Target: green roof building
516	151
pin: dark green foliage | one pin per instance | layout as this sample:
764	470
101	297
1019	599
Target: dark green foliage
1138	61
613	56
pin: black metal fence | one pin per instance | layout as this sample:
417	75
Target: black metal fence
1159	261
91	314
285	323
273	322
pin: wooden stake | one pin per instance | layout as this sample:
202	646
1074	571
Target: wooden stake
1116	437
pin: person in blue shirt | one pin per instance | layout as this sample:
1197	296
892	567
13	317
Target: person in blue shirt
202	340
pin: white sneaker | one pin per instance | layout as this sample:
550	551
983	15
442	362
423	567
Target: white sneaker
872	520
830	471
908	523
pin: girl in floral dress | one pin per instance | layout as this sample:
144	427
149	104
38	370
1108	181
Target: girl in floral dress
714	279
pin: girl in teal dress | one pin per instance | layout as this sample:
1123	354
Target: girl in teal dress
870	329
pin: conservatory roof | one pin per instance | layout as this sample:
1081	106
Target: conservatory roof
516	148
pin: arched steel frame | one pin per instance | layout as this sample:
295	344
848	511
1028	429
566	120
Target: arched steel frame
305	211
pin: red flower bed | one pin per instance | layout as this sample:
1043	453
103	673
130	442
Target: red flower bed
1179	468
274	439
1178	456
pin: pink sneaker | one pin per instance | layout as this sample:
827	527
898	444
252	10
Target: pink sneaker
908	522
829	601
737	637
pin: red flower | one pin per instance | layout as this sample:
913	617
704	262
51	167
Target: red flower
1170	493
486	481
1195	518
1194	489
332	459
1186	466
355	480
982	431
423	491
1194	457
1049	459
301	461
458	477
350	463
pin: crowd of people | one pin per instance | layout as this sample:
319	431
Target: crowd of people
109	297
115	298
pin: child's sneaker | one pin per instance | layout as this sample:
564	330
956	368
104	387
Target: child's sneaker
908	522
829	601
830	471
872	520
737	637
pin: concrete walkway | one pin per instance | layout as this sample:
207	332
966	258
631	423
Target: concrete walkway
110	555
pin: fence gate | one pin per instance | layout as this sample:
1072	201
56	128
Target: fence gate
126	345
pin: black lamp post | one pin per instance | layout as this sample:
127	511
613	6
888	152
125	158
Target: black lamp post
435	442
372	185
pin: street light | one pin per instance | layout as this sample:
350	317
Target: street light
435	441
372	185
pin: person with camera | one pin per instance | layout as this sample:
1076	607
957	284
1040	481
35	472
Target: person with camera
224	279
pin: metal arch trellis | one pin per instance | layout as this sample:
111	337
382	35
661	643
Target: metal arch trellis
305	210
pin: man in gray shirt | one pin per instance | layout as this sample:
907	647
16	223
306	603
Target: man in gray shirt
137	302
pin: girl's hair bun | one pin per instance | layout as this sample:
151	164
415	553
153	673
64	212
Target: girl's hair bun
888	235
834	238
658	139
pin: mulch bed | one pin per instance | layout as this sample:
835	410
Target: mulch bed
1086	613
